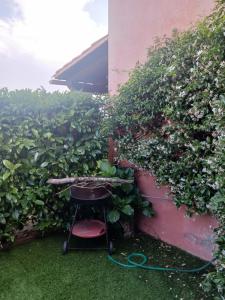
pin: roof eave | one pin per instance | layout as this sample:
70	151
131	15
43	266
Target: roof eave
74	61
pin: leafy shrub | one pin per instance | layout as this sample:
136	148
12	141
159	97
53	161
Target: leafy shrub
44	135
169	118
126	199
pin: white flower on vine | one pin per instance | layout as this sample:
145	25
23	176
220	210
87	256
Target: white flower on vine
199	52
182	94
171	68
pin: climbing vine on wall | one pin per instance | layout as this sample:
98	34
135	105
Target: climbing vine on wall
170	118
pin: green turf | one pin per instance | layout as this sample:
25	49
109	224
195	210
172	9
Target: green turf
38	270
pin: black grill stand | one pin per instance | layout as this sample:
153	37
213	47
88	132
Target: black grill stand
101	203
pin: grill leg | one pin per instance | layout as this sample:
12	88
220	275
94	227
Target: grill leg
105	220
73	222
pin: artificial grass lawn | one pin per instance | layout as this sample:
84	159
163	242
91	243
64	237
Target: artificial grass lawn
38	270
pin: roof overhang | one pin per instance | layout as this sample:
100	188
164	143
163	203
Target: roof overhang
87	72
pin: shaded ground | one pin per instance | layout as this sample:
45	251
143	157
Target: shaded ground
38	270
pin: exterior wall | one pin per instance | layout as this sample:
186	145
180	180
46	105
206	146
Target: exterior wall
170	224
134	25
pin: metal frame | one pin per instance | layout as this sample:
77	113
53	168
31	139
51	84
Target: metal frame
78	205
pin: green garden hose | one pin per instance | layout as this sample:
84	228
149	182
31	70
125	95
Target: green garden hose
144	259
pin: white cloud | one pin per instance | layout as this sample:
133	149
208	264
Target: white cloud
51	32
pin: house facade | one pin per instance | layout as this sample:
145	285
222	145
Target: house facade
135	24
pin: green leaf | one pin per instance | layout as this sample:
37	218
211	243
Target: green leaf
81	151
106	168
48	135
44	164
36	156
85	166
8	164
113	216
2	219
128	210
90	112
127	188
27	143
15	215
145	203
16	166
35	132
148	212
6	175
39	202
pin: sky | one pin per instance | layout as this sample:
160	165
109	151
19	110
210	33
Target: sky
37	37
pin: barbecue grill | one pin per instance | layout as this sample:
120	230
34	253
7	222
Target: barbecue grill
95	196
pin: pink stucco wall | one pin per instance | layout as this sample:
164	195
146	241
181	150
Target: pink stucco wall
172	225
134	24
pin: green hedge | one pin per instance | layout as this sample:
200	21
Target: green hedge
170	118
44	135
